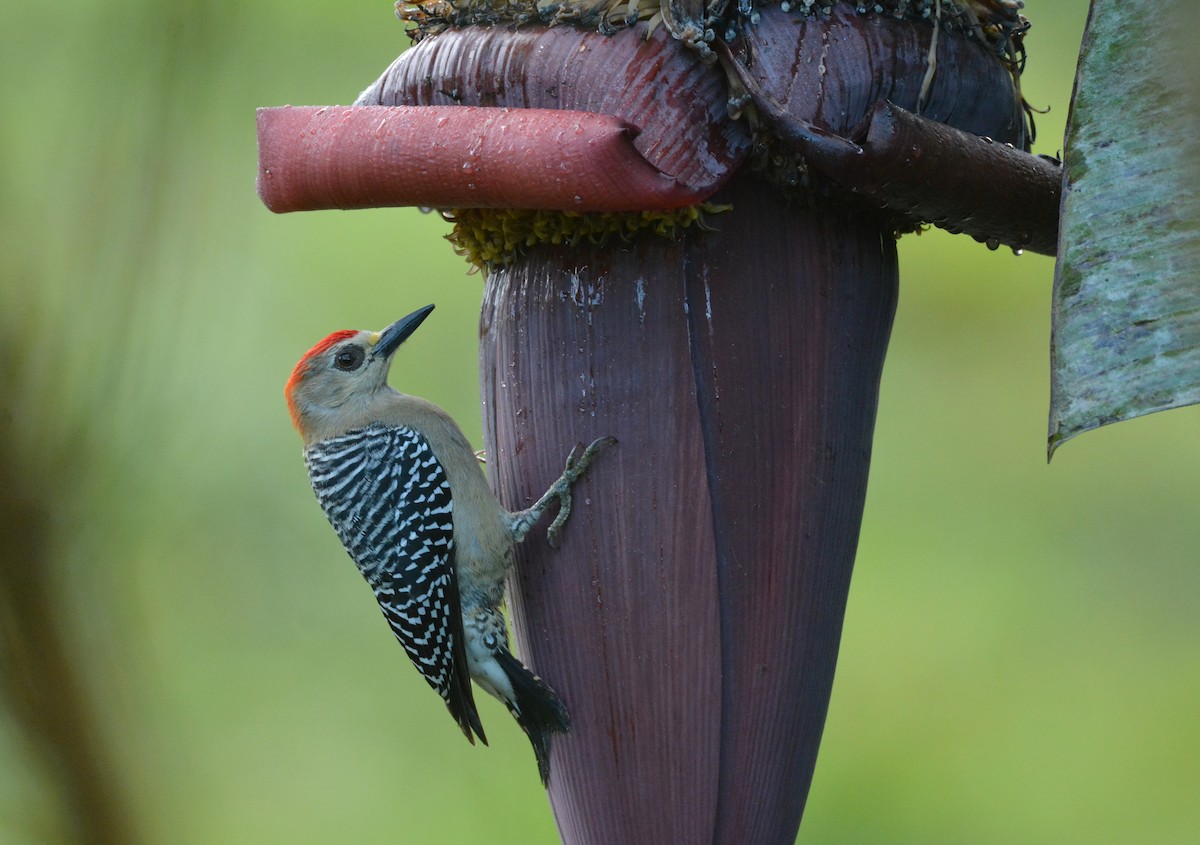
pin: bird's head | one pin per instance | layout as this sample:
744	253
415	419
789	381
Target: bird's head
336	382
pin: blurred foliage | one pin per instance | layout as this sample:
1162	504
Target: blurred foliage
1021	659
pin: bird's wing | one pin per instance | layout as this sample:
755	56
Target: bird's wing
389	500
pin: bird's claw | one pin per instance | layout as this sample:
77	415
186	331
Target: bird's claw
577	464
560	519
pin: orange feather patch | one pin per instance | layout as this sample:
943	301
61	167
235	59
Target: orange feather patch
302	368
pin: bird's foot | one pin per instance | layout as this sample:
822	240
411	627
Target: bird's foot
577	464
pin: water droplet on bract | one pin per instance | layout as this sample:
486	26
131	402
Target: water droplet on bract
992	244
442	121
468	167
578	199
1018	251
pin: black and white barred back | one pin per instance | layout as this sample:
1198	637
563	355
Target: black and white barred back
389	500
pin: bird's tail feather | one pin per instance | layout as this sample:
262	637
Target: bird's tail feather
536	707
462	708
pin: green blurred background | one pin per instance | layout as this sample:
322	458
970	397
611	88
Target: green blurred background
1021	660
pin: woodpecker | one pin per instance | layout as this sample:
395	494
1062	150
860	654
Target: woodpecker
404	491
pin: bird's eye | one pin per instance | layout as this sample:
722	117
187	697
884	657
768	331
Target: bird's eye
349	359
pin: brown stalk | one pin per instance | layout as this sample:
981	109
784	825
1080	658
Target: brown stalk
41	682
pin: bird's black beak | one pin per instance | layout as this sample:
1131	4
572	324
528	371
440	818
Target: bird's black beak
398	332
